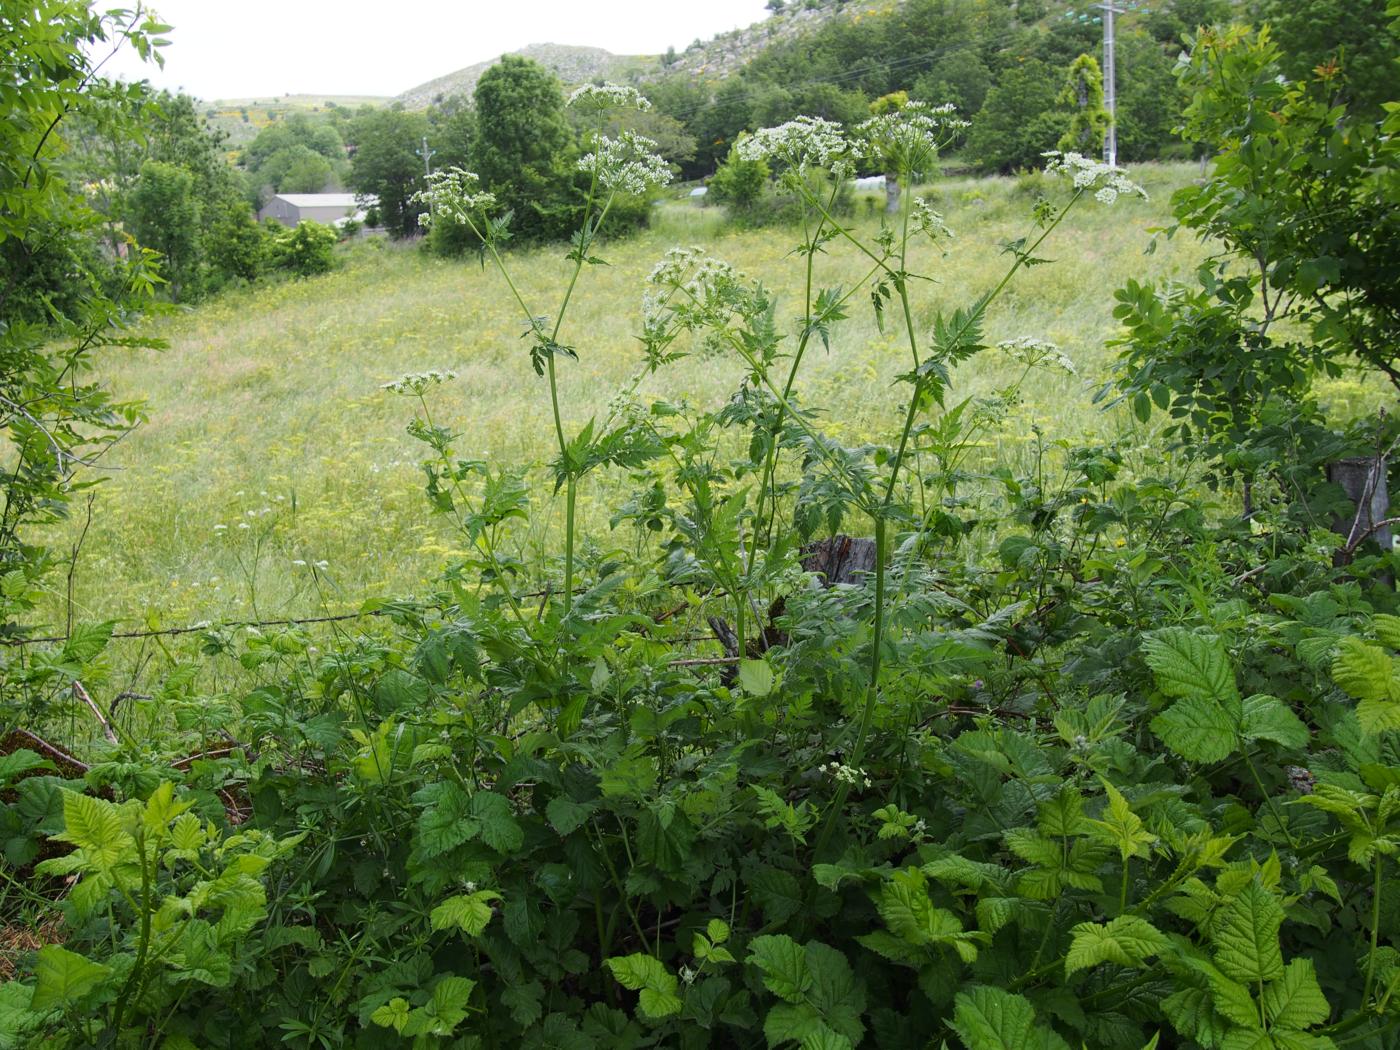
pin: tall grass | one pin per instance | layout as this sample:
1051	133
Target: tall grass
267	417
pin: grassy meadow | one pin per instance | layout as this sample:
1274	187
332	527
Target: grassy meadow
271	448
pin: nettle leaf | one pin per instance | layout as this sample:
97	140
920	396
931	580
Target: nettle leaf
470	912
994	1019
1125	941
62	978
1246	941
1295	1001
656	988
1189	665
1268	718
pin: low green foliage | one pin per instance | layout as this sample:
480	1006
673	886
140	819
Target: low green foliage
1079	762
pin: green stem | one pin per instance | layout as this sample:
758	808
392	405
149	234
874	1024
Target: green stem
1375	935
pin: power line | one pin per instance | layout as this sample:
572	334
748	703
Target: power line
1110	86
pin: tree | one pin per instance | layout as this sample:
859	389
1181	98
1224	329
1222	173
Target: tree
386	164
1083	95
739	184
523	145
1019	121
53	416
164	215
1354	35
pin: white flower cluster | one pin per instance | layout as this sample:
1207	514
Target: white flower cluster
924	219
608	96
627	164
415	383
1032	352
300	563
1107	182
910	137
845	774
799	144
453	194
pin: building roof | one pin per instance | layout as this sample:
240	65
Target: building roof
321	200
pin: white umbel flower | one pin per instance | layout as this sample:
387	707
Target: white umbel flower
627	164
600	97
909	138
923	218
1107	182
455	195
415	383
1034	352
802	143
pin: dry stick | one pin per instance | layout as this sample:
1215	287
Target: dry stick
82	695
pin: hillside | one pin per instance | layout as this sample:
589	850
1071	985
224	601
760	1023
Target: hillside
242	118
573	65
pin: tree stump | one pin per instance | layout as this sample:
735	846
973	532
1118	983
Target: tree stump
841	560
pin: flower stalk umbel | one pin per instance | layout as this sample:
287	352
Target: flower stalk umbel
625	164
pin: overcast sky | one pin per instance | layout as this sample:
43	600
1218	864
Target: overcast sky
226	49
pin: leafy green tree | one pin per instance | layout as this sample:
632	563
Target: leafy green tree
1354	35
739	185
962	79
164	215
1020	120
386	164
52	415
524	145
1083	95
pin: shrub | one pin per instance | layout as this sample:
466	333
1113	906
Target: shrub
306	250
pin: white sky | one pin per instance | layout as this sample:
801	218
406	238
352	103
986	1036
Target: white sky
254	48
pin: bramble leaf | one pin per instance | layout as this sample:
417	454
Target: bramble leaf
1246	942
469	912
1190	666
647	976
1126	941
1268	718
1295	1001
994	1019
1197	729
62	978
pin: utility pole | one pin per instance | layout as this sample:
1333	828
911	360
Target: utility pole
427	155
1110	86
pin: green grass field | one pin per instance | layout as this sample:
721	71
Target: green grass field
270	442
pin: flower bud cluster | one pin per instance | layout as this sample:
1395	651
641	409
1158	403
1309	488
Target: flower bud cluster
455	195
1107	182
923	218
626	164
415	383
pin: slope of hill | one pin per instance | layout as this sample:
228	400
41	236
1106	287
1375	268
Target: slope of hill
573	65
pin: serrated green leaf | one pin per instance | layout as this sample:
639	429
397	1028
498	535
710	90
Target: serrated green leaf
94	826
1267	718
656	988
988	1018
1295	1000
393	1014
1362	671
783	964
565	815
1125	941
755	677
1246	940
1197	729
1190	666
469	912
498	826
63	978
1387	630
21	761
